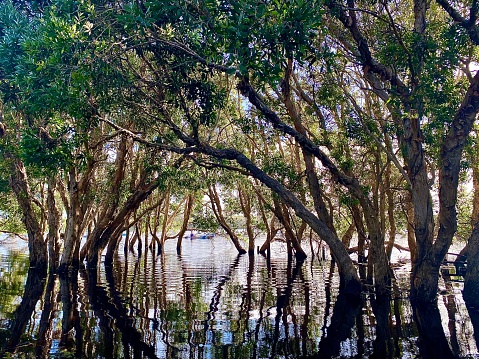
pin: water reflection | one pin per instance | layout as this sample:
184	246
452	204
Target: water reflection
33	291
211	303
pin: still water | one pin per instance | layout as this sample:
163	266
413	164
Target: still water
211	303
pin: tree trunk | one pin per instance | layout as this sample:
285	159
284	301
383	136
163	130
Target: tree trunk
362	238
37	246
471	250
54	223
217	210
190	201
72	235
245	202
102	234
390	210
430	257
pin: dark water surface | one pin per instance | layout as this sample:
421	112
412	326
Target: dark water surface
211	303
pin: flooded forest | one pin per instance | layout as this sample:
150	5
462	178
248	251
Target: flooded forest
239	179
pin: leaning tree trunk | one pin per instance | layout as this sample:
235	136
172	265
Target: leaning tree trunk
217	210
100	239
37	246
349	280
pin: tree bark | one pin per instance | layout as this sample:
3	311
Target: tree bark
189	204
54	223
102	235
245	202
217	210
37	246
349	280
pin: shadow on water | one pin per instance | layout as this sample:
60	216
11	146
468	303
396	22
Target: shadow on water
210	303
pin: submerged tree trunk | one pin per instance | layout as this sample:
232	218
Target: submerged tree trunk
218	211
103	234
471	251
37	246
54	218
426	271
72	236
245	202
189	204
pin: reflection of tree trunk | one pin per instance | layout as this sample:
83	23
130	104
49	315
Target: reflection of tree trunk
344	316
218	211
112	306
307	312
432	340
473	311
283	301
33	291
37	248
450	303
45	327
383	346
70	316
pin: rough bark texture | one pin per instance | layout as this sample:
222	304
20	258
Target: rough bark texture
424	281
37	246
